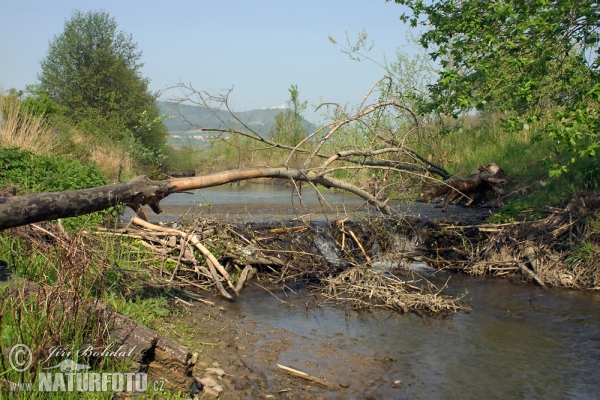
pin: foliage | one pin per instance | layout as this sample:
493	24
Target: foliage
43	173
94	72
535	59
288	124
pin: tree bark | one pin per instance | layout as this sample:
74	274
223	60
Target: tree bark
162	358
487	179
27	209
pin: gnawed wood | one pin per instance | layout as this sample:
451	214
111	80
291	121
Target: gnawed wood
488	179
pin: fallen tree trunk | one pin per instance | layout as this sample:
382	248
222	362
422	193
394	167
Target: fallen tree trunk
160	357
23	210
488	179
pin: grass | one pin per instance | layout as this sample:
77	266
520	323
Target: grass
79	267
20	128
462	150
24	129
82	268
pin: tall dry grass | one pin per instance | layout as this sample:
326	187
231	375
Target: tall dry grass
19	127
112	160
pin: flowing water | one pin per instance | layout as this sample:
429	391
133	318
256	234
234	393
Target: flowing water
518	340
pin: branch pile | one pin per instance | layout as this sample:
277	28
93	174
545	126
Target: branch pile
558	250
365	288
339	257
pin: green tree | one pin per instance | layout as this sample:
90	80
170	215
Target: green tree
93	70
533	59
288	124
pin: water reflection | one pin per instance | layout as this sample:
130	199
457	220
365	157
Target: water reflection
258	194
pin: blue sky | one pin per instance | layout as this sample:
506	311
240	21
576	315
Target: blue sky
259	48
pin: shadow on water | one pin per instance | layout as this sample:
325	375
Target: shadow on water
518	341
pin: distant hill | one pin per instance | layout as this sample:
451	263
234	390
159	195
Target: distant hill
260	121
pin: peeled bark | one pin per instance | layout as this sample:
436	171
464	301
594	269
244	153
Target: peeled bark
22	210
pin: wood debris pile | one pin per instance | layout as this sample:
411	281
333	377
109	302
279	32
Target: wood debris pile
549	251
337	257
365	288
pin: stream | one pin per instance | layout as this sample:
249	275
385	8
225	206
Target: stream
518	340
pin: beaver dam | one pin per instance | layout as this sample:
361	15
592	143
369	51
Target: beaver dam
364	306
335	255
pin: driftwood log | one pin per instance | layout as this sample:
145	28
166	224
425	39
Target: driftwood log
160	357
22	210
486	180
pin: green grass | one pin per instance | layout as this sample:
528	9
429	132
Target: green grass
103	269
523	154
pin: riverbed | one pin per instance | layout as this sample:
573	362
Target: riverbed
518	340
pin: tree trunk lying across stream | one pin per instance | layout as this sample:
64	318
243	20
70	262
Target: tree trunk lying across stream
27	209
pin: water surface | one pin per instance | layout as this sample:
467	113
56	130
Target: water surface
519	341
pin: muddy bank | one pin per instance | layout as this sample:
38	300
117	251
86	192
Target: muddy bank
518	341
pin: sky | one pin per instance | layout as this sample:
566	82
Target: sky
259	48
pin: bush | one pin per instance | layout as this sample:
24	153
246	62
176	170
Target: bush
34	173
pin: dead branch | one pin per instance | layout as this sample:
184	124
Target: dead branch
308	377
212	262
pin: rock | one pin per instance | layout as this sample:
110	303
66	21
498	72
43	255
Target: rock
210	392
216	364
196	387
215	371
218	388
397	384
208	381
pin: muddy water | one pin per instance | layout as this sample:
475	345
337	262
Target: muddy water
518	341
274	203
